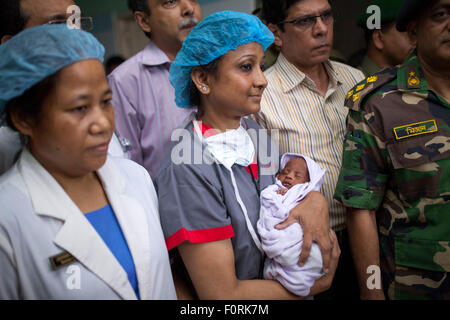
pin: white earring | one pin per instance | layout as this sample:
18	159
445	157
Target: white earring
204	89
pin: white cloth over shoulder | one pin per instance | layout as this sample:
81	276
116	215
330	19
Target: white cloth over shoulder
230	147
283	247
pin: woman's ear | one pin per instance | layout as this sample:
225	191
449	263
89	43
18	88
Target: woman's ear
200	79
22	124
276	32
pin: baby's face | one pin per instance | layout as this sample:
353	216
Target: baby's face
295	172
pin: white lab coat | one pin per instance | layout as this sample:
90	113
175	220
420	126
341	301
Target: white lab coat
38	220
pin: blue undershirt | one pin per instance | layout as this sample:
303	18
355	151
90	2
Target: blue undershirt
105	223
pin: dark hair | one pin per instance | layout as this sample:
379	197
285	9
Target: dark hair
210	68
12	19
29	104
140	5
275	11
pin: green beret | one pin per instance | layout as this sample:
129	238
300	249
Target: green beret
388	8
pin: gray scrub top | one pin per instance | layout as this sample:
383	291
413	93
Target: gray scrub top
197	202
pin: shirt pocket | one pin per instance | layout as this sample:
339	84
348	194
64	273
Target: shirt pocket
422	254
417	165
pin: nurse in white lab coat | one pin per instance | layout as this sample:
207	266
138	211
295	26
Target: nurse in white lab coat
56	94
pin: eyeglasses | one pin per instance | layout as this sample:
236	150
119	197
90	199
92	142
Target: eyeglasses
307	22
86	23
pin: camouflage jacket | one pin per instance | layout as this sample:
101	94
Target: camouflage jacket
396	161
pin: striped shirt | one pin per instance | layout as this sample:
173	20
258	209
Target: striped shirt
144	105
308	122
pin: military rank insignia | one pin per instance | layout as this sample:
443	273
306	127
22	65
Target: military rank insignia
413	80
349	94
360	87
415	129
372	79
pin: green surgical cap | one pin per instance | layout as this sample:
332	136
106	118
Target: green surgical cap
213	37
36	53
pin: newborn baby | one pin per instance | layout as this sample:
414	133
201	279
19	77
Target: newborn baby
295	172
299	175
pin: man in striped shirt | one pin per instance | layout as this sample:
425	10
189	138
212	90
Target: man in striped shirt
304	100
143	98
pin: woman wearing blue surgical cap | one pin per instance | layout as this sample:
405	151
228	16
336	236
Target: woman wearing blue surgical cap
74	223
209	188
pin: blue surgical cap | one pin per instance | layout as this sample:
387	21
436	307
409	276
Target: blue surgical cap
210	39
38	52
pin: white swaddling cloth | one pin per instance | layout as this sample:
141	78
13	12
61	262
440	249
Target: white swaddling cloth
283	247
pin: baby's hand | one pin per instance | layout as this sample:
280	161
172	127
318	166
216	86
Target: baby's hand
282	191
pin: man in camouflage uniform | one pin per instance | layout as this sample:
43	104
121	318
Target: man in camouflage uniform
395	176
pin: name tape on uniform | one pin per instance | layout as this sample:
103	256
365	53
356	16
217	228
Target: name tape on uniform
415	129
